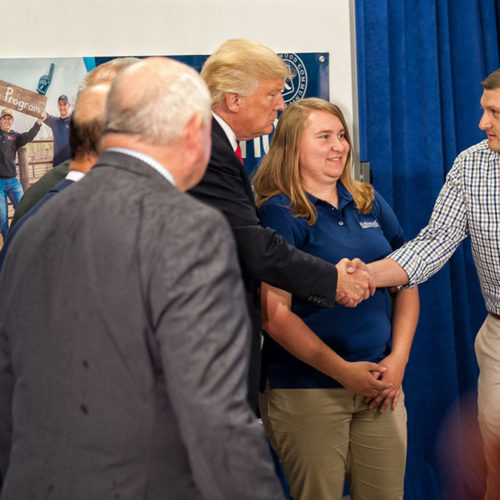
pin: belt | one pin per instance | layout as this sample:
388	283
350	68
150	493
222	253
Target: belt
496	316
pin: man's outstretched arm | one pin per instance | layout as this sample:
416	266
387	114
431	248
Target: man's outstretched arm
387	272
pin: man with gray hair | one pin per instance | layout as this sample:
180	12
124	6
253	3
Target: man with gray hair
245	80
136	386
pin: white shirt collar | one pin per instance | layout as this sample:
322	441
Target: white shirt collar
148	160
74	175
227	130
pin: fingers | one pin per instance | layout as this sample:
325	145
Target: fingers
354	283
384	399
395	399
356	264
385	404
375	369
373	402
377	388
342	299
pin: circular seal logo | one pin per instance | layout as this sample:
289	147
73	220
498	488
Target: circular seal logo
295	88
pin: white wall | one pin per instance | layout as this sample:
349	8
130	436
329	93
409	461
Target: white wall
69	28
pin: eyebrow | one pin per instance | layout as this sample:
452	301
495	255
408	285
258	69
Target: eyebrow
329	130
490	107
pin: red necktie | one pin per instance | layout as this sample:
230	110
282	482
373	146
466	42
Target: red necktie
238	152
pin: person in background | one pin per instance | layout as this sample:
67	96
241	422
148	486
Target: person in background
10	142
85	136
467	206
104	73
60	130
245	80
324	417
124	343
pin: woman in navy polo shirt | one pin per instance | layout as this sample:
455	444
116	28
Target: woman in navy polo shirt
323	418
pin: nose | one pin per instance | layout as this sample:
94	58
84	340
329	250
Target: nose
484	122
279	104
337	144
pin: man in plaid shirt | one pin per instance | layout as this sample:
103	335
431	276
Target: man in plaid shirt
468	205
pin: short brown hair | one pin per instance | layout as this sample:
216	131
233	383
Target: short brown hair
492	81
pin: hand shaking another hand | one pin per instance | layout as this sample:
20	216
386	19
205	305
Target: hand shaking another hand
354	283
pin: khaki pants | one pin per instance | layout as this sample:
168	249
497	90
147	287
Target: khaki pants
323	436
487	347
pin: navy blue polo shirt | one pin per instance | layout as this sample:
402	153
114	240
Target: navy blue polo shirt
362	333
60	131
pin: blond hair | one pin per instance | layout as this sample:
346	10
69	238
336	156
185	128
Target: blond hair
279	172
238	66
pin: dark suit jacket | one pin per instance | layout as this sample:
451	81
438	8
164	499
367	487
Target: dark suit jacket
62	184
263	254
124	345
38	190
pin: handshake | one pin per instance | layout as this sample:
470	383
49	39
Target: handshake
354	282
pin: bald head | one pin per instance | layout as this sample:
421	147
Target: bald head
87	119
92	102
106	72
161	108
155	99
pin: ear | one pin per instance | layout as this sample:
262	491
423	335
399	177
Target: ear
194	139
193	134
232	101
193	156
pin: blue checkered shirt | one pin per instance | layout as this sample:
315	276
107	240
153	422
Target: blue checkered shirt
468	204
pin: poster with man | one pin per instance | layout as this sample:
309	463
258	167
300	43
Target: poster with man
30	90
46	89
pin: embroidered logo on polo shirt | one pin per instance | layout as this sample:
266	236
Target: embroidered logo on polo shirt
366	225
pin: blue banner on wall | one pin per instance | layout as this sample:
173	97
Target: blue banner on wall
311	79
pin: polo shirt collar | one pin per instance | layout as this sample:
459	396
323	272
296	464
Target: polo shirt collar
345	197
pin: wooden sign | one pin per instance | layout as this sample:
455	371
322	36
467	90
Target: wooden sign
22	100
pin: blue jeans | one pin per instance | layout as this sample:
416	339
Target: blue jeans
8	188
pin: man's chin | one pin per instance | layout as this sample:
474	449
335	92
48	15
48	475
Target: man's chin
494	144
268	130
254	135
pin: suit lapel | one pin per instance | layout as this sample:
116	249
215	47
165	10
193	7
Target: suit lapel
218	132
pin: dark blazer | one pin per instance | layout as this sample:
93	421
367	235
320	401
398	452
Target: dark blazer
263	254
62	184
38	190
124	345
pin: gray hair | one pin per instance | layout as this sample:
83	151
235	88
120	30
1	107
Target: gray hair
155	99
